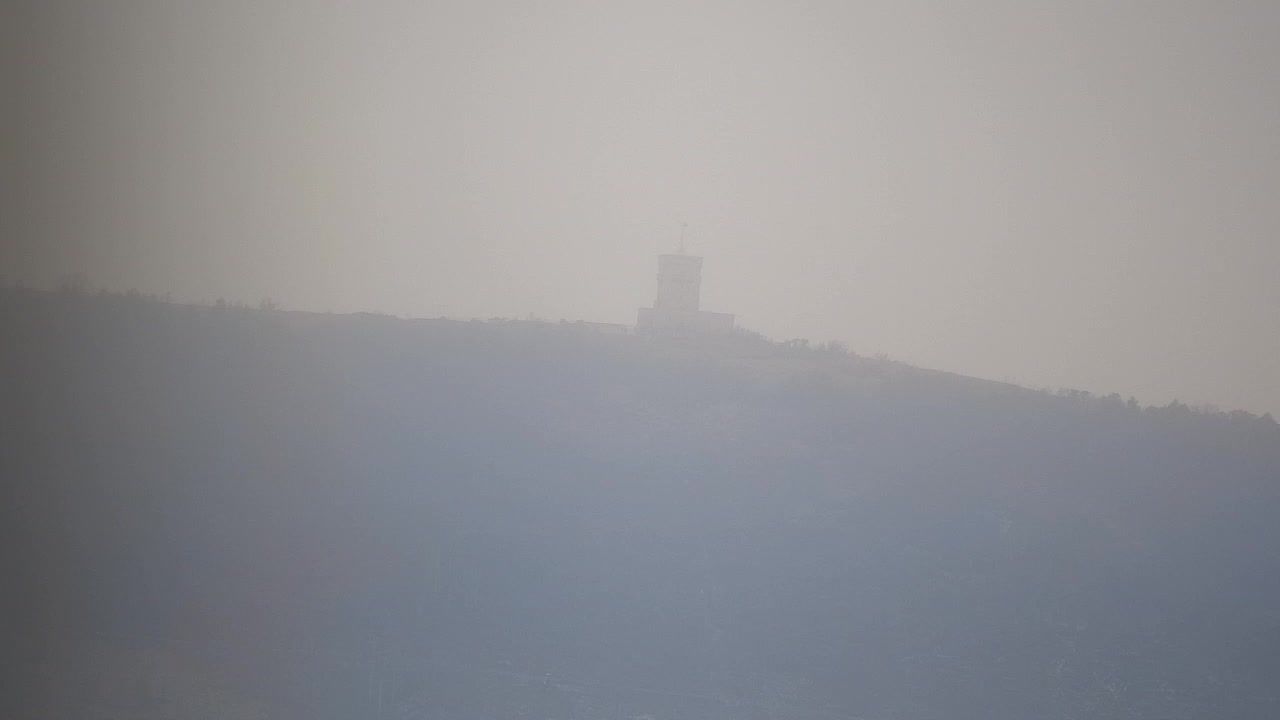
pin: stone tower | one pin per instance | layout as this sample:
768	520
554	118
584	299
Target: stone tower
677	308
679	283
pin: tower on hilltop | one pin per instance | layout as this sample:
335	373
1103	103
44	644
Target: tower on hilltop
679	283
677	308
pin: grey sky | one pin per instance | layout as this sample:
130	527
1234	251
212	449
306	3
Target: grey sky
1060	194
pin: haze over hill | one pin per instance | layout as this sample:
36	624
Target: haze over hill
275	471
241	513
1063	194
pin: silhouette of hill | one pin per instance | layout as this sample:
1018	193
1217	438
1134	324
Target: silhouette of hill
234	513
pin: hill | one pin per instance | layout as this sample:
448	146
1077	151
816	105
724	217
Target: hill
224	512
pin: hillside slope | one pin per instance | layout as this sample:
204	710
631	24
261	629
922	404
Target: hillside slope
219	512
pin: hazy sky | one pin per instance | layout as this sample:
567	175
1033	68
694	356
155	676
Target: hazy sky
1059	194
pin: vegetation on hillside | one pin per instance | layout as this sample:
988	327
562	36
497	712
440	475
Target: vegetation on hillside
245	512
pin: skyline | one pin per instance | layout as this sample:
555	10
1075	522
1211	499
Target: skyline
1076	196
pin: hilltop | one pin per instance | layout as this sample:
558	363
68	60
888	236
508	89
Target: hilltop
230	512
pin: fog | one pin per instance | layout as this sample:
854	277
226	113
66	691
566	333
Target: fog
1058	194
238	513
338	377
